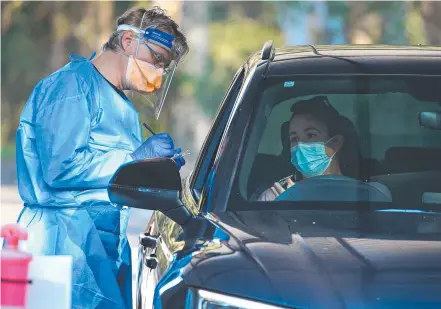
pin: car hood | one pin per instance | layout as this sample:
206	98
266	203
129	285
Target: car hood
275	258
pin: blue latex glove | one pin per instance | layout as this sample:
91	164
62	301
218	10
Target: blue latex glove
159	146
178	158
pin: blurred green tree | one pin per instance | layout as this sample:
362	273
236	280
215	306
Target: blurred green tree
431	14
38	36
232	41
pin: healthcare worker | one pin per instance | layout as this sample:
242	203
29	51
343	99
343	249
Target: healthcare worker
75	131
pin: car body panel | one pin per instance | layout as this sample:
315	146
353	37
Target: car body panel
428	65
305	266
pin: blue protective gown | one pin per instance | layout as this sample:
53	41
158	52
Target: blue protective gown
75	131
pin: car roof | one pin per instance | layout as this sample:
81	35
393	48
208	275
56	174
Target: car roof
357	50
356	59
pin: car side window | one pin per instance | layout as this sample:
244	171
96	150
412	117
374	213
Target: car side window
211	143
386	154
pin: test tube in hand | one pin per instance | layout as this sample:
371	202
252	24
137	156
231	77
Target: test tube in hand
182	154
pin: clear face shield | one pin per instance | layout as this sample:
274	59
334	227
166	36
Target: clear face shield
153	80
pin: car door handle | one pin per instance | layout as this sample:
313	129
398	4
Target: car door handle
148	241
152	261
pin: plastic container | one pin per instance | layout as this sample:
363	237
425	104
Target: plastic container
14	268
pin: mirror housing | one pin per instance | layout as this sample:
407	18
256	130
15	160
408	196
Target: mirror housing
430	120
153	184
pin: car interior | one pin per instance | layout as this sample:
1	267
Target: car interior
391	145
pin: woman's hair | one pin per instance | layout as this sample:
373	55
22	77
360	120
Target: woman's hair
142	18
320	109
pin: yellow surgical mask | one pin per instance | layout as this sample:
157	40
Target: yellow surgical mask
142	76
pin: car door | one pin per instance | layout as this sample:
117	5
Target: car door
169	237
146	259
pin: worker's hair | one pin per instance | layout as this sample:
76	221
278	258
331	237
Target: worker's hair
154	16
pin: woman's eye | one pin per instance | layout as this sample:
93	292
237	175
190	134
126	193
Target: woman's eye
294	139
311	135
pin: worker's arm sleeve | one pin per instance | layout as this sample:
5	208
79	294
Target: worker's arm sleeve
63	128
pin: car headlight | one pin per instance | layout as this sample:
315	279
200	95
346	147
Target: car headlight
201	299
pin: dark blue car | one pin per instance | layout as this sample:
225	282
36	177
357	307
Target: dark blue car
261	224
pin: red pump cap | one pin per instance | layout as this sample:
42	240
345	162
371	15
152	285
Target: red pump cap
13	233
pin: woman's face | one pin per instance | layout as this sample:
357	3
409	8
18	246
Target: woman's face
307	129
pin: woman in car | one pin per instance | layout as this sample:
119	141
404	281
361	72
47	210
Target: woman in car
324	147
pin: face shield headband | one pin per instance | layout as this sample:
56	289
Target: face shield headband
155	100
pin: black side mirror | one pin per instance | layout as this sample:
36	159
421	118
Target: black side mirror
430	120
153	184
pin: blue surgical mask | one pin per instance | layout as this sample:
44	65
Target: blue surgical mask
310	159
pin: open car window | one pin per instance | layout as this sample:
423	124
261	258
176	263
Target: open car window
390	151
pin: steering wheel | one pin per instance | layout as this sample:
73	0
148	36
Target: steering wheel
333	188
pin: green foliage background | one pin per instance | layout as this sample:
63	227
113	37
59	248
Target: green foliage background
37	38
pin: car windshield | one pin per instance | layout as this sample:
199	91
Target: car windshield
346	140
